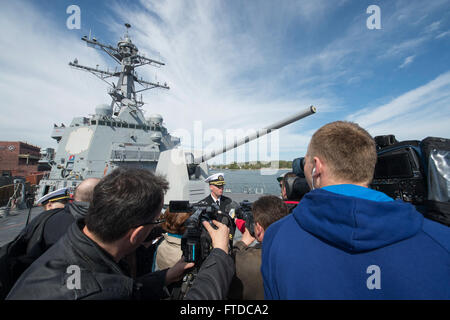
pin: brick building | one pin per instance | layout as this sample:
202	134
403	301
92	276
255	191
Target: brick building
18	158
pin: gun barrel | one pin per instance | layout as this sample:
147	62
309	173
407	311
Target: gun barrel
300	115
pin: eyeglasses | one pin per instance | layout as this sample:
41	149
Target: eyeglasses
155	222
151	222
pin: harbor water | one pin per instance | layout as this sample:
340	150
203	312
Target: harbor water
251	181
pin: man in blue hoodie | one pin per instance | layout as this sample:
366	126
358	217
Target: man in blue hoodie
346	241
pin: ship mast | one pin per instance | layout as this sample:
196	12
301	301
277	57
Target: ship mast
123	93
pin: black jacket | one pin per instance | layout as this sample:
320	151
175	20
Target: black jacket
50	277
39	235
214	277
58	224
100	277
224	202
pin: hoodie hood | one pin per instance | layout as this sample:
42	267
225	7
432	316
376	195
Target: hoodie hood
78	209
356	224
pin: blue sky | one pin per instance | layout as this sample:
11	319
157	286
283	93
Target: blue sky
235	65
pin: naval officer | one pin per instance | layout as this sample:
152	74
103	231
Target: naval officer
216	185
55	200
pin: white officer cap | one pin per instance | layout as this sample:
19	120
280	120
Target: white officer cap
281	177
56	195
216	179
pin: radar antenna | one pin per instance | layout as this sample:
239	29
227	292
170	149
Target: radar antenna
125	54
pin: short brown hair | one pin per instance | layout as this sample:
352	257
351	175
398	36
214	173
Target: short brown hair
124	199
347	149
268	209
175	221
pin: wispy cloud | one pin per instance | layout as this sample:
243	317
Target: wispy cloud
407	61
230	64
433	27
443	34
220	70
404	47
38	87
418	113
410	29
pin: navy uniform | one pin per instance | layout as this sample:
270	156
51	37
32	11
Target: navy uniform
223	201
225	204
60	195
280	178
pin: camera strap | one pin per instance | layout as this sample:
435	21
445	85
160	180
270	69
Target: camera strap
179	292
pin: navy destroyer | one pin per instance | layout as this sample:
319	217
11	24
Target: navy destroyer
119	135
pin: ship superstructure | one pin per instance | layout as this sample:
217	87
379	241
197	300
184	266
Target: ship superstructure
117	134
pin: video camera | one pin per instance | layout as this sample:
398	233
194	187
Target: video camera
417	172
196	243
296	187
244	212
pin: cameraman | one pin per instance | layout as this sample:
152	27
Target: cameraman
87	261
290	199
283	185
248	283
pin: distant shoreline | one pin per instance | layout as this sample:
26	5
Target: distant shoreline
280	165
215	168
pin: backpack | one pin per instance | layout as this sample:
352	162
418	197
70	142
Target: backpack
17	255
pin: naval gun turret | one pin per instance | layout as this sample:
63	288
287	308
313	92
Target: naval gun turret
186	172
